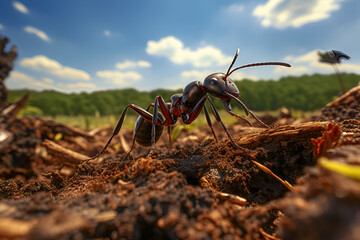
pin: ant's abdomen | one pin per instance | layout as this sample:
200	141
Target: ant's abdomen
142	131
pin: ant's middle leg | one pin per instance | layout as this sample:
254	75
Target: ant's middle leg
195	113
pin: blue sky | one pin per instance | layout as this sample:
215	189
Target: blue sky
89	45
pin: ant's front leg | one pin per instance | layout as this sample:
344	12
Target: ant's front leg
247	111
218	118
209	121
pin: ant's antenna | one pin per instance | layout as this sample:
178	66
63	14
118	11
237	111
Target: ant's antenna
260	64
228	73
235	57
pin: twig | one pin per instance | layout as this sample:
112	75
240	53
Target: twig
268	171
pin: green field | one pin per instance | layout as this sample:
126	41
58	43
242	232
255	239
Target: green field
96	121
87	122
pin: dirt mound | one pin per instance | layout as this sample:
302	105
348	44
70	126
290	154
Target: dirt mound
205	190
345	107
198	189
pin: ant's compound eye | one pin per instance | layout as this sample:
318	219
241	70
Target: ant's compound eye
214	81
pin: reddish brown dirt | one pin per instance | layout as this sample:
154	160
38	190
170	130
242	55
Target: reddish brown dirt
179	193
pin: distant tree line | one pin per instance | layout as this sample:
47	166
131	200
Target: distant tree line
307	92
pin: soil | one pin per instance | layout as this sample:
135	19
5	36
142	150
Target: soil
197	189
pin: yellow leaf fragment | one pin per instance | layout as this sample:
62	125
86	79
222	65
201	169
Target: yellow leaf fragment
352	171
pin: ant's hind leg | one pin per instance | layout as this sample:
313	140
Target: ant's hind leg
138	126
142	112
159	103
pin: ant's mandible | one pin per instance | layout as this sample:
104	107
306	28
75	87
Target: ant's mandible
187	106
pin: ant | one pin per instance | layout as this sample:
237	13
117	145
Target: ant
187	106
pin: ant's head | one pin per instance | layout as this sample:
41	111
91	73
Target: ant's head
221	86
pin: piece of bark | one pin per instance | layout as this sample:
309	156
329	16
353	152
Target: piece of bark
283	134
8	114
6	65
11	228
63	155
56	224
6	138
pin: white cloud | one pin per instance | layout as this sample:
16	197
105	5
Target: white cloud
120	78
21	80
48	80
235	8
175	87
132	64
81	85
240	76
18	80
294	70
308	63
294	13
174	49
348	67
40	34
311	57
1	26
107	33
142	63
195	75
44	64
20	7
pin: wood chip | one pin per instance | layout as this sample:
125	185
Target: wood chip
63	154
